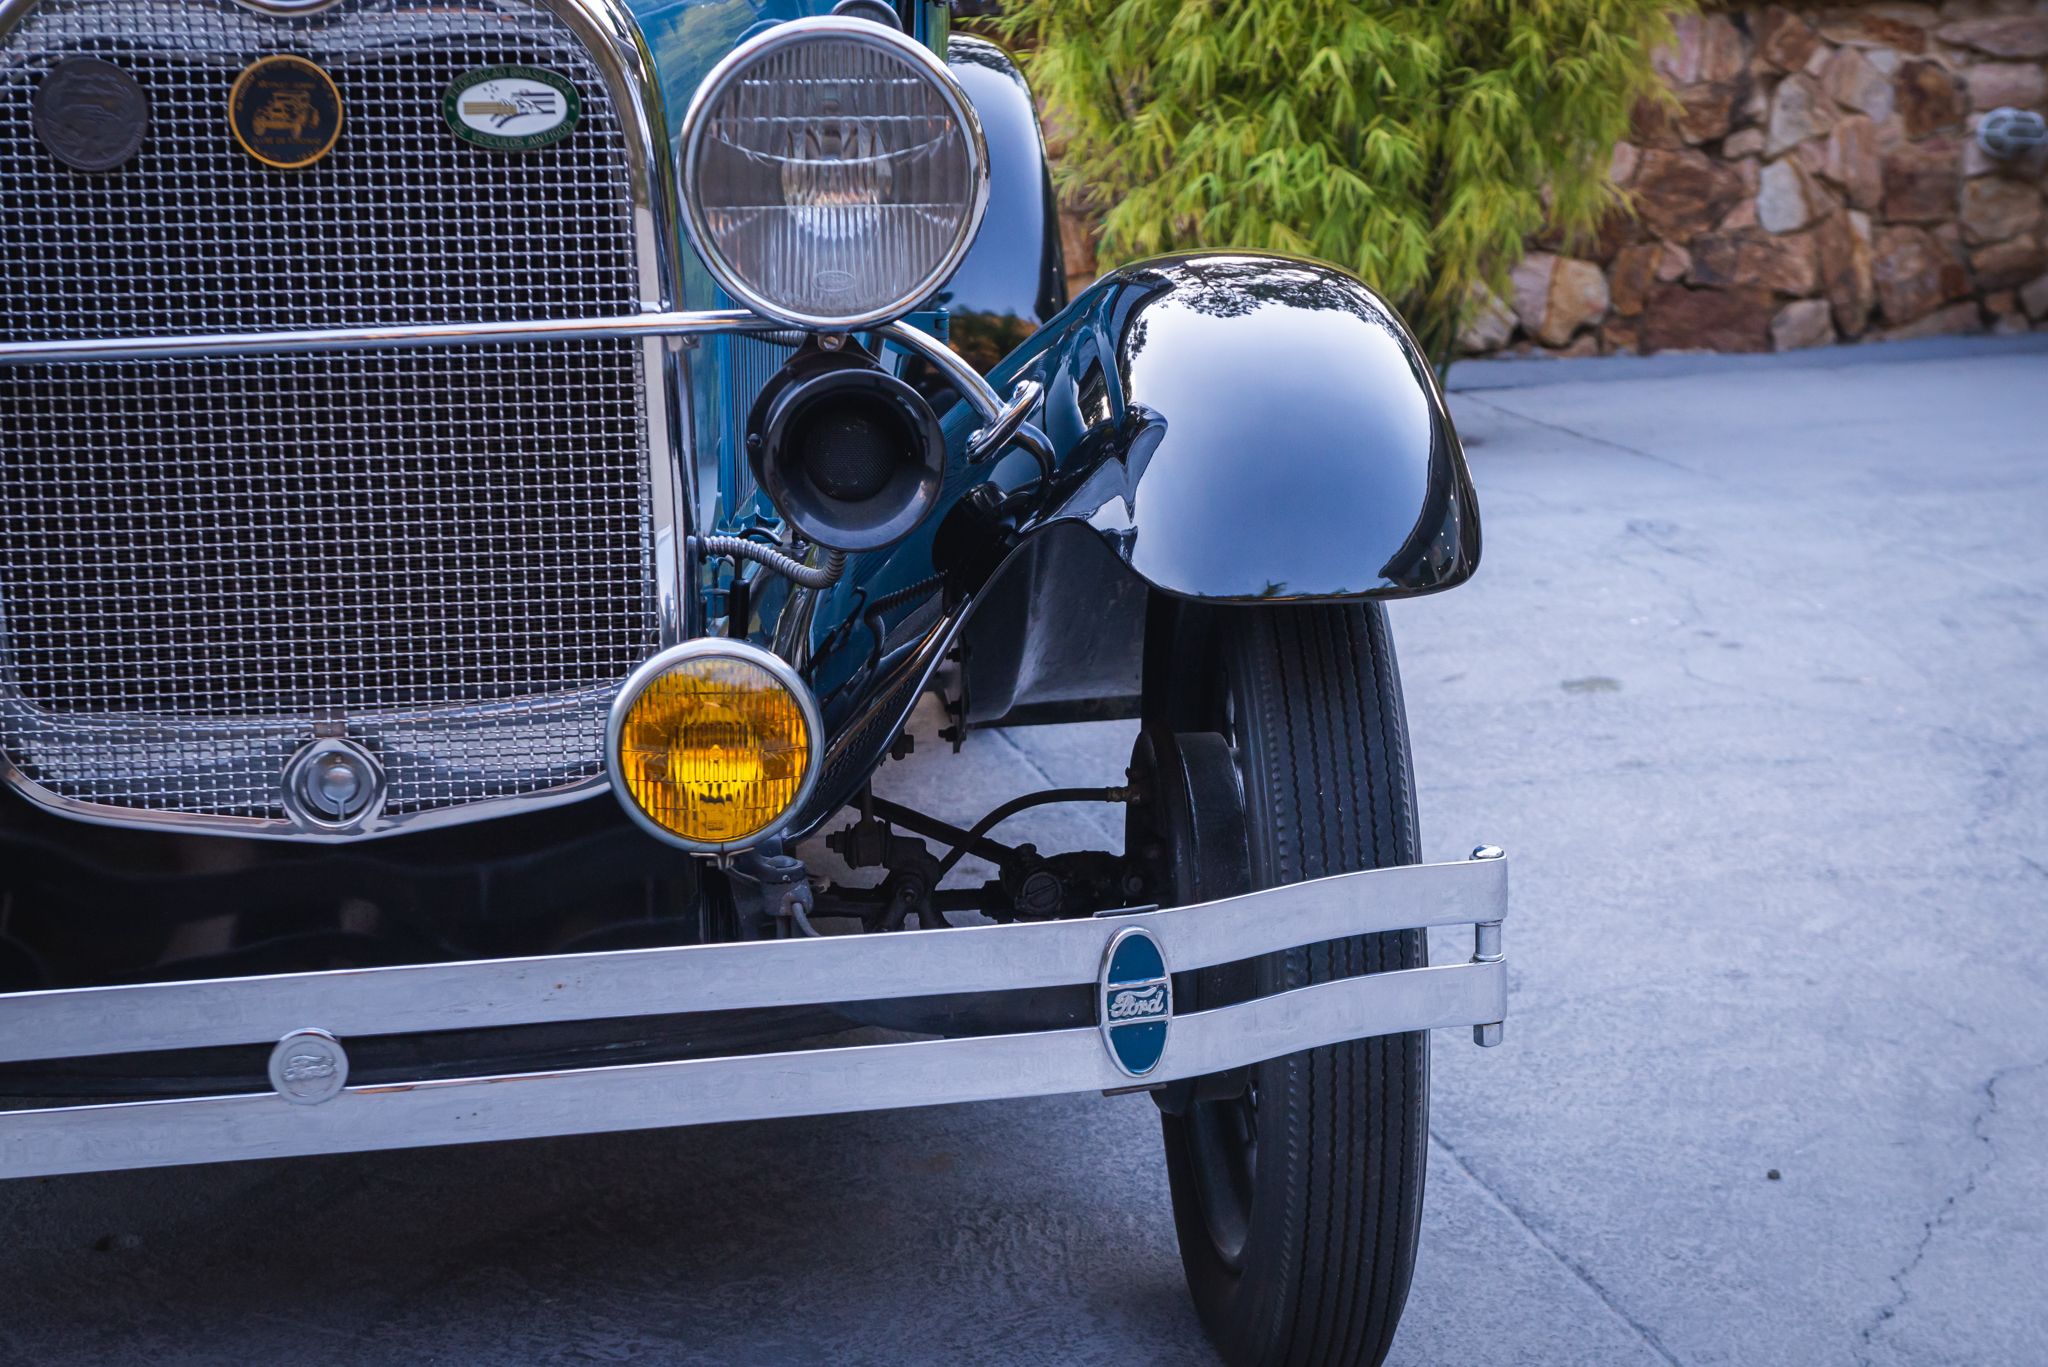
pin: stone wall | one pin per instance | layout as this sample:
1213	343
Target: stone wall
1822	183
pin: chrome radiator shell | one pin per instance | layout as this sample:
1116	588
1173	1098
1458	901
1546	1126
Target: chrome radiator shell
451	556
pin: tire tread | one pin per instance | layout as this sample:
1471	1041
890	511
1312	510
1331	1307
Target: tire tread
1338	796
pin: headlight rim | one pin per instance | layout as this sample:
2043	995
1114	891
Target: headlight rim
793	31
661	663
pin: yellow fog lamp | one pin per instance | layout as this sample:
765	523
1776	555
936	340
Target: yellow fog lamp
714	745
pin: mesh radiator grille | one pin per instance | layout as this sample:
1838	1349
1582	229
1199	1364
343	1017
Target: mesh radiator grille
447	553
744	366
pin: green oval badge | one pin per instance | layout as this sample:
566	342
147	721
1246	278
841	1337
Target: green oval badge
511	108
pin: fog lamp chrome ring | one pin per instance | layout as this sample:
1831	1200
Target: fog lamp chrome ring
721	739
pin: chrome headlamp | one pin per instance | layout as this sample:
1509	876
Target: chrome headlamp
833	173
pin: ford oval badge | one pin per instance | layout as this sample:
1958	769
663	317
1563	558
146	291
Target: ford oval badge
1135	1001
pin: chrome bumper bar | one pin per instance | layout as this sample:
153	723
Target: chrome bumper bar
110	1020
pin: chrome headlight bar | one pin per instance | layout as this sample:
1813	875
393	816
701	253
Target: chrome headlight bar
97	350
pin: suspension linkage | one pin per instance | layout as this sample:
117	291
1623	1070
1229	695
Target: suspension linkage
933	828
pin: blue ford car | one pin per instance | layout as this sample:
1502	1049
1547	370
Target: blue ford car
481	481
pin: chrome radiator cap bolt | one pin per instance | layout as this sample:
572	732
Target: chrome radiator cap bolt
333	784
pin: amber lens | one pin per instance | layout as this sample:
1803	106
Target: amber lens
715	749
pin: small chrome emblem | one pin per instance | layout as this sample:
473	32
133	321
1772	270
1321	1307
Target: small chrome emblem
308	1067
333	784
90	114
285	111
511	108
1134	1000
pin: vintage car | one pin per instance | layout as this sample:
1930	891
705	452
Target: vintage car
456	541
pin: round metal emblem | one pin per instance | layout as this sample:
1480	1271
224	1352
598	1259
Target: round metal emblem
90	114
308	1067
333	784
1135	1001
285	112
511	108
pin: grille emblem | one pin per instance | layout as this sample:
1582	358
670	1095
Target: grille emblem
90	114
511	108
333	784
1134	1001
308	1067
285	112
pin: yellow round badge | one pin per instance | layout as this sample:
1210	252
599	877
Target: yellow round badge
285	112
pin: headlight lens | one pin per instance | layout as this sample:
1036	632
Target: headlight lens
833	172
713	744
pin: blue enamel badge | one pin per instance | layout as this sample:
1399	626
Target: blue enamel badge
1135	1001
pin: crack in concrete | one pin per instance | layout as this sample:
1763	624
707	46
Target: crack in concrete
1033	765
1948	1206
1642	1331
1587	437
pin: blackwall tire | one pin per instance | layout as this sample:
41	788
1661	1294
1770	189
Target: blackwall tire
1298	1201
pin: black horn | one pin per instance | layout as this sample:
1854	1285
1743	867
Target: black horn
850	455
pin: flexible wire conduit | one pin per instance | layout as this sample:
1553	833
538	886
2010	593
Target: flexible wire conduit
788	566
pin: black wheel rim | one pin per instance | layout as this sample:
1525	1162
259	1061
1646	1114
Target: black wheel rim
1223	1136
1223	1154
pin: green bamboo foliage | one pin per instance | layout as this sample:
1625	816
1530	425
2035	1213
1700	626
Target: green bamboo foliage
1415	142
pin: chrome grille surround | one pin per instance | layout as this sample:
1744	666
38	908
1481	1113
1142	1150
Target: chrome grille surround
452	556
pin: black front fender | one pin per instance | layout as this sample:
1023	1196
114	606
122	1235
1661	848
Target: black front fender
1248	427
1234	427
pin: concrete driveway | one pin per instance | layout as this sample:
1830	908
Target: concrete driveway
1754	687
